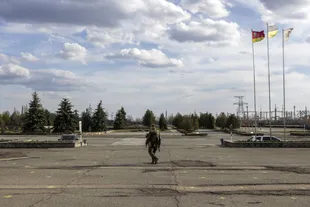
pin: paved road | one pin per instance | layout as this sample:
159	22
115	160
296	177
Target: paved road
193	171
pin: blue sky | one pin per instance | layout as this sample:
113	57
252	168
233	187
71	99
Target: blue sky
176	55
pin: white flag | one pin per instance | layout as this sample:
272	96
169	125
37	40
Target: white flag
287	34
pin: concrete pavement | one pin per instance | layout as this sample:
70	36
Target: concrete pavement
192	171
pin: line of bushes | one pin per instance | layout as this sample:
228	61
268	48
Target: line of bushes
252	144
238	132
300	133
38	144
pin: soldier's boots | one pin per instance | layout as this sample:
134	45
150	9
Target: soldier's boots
154	161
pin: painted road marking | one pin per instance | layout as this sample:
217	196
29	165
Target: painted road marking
181	188
131	141
15	158
7	196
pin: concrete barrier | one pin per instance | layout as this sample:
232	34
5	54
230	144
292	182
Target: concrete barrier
283	144
42	144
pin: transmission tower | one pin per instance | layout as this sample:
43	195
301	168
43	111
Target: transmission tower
240	109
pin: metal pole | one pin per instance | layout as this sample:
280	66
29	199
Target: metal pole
255	122
284	118
270	117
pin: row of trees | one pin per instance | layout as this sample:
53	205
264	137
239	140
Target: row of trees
66	119
192	122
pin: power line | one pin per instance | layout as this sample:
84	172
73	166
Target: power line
240	108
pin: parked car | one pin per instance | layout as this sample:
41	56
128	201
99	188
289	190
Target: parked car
264	138
69	137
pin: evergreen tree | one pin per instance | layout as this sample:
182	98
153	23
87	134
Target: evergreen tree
211	121
162	122
86	121
195	120
233	122
34	116
65	121
149	118
47	117
76	116
99	119
120	119
221	121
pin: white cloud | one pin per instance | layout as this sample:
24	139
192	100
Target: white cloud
213	8
288	12
281	11
10	72
149	58
8	59
42	80
199	75
29	57
74	51
165	11
104	37
207	30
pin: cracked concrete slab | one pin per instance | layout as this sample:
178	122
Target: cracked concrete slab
188	174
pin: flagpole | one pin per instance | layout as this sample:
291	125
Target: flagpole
270	117
284	118
255	122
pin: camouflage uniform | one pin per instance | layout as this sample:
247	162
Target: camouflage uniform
152	141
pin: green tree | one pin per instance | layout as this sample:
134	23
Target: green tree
221	121
195	119
170	119
177	120
162	122
6	117
120	119
149	118
99	119
15	119
65	121
211	122
233	121
1	121
86	121
34	117
203	120
189	123
77	116
48	117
